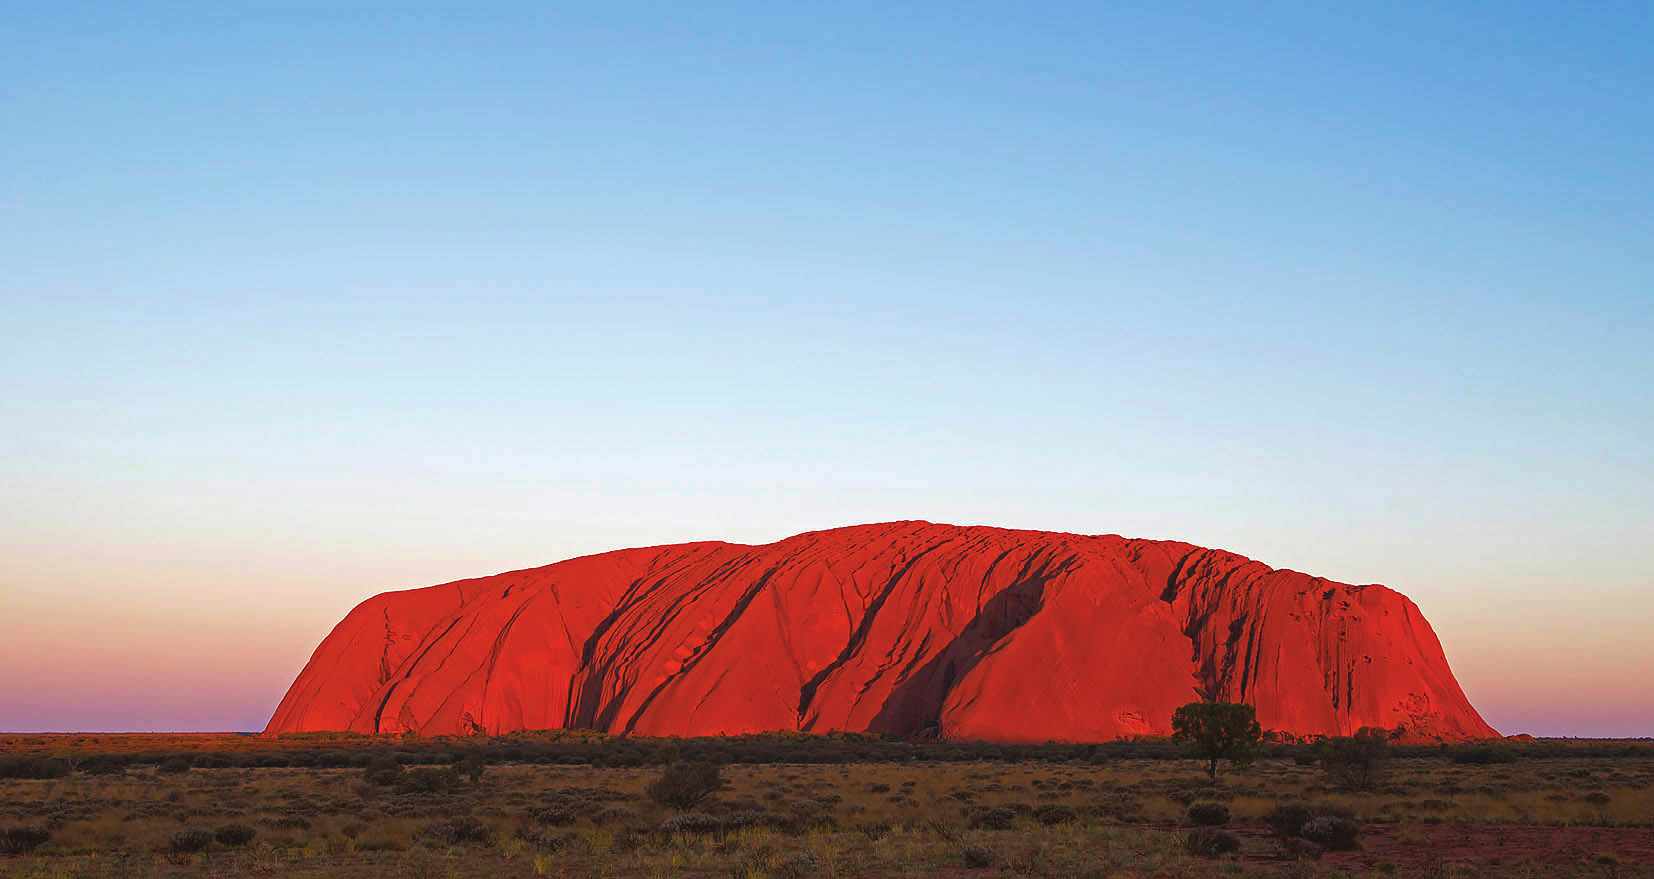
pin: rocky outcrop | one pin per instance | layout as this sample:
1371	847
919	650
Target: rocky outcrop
908	628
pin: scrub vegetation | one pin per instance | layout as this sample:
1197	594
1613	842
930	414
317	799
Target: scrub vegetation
579	805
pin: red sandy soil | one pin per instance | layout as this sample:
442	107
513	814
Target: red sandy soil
1497	845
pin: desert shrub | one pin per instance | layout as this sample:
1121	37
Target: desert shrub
806	814
556	816
1356	762
191	840
382	771
795	866
613	815
234	835
462	830
1332	832
473	764
1482	755
991	818
427	780
1300	849
1208	814
33	767
353	829
878	788
690	822
875	830
1598	798
289	821
740	818
1288	820
1209	842
683	785
24	839
1052	814
1217	731
548	840
976	857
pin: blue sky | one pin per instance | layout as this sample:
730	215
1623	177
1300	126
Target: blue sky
307	301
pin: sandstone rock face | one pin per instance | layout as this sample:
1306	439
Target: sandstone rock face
909	628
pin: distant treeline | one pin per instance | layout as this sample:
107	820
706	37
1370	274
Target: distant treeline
325	752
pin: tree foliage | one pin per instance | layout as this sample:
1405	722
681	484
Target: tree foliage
1217	731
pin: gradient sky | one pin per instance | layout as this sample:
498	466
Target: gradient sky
303	302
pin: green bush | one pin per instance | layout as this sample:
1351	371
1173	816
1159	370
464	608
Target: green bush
1217	731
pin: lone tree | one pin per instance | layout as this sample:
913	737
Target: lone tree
1214	731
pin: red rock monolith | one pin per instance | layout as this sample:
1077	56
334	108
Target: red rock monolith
908	628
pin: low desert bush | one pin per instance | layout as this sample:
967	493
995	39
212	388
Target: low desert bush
24	839
1209	842
427	780
991	818
690	822
1332	832
613	815
1288	820
33	767
1208	814
463	830
875	830
234	835
1301	849
555	816
382	771
683	785
191	840
1052	814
